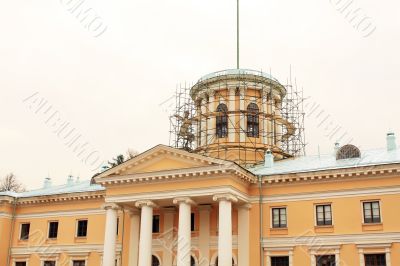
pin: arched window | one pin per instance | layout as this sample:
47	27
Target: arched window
155	261
222	121
252	120
347	152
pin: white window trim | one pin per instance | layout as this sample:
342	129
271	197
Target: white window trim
48	229
362	210
324	250
42	260
289	254
20	231
271	217
84	257
362	251
315	213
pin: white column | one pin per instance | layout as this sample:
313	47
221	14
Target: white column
168	236
244	234
232	115
361	256
388	259
146	232
243	128
211	120
225	228
337	257
134	215
184	232
204	234
110	235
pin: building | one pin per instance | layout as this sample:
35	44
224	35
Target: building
232	191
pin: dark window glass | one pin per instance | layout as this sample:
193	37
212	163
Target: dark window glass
375	260
280	261
324	214
326	260
117	226
252	120
53	229
82	228
78	263
222	121
20	263
192	261
192	222
154	261
156	223
49	263
371	212
279	218
25	231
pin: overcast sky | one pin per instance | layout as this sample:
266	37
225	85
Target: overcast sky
109	82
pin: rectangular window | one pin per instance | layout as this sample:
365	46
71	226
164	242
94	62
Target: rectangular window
20	263
49	263
25	231
78	263
53	229
192	222
280	261
279	218
372	212
326	260
117	226
156	223
324	214
375	259
82	228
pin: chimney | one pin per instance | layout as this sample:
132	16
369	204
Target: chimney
269	159
391	141
70	180
47	182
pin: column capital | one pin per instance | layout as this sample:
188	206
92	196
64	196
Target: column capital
186	200
225	197
132	211
246	206
142	203
110	206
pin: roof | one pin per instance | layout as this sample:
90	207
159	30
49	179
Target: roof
76	187
328	162
240	71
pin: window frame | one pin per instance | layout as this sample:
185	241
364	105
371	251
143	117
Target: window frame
374	254
316	205
78	260
363	211
49	260
221	121
48	229
19	261
20	232
159	224
192	222
272	217
77	227
255	121
280	256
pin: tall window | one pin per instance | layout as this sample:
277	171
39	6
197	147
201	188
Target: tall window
156	223
154	261
371	212
78	263
25	231
53	229
252	120
192	222
20	263
279	218
222	121
326	260
81	230
375	260
324	214
49	263
280	261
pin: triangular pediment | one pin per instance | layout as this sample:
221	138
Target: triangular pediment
162	158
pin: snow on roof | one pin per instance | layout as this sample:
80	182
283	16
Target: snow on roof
328	162
76	187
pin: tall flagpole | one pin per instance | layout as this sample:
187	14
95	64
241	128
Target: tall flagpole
237	36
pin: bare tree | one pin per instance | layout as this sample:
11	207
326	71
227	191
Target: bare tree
131	153
11	183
